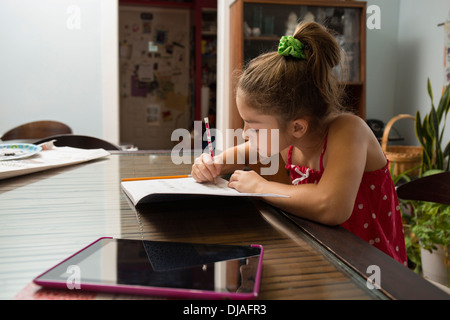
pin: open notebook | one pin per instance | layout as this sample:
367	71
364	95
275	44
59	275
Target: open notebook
166	189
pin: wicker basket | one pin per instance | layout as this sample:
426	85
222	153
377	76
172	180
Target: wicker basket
401	158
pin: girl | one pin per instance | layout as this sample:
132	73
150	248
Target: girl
339	173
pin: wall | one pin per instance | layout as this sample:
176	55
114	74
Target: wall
401	55
420	56
381	75
59	62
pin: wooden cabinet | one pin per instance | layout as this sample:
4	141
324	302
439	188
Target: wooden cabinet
257	25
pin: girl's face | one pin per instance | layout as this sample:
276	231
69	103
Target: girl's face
261	130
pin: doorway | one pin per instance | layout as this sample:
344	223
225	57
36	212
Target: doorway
155	75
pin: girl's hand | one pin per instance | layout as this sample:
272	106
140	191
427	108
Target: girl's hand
204	169
246	181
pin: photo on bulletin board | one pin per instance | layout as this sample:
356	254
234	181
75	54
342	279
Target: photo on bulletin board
167	116
136	89
161	36
146	27
146	16
152	47
169	49
153	114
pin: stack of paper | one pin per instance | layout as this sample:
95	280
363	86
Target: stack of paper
50	157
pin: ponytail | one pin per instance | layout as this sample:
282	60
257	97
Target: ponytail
324	54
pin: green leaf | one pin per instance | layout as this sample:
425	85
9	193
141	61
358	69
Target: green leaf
429	126
446	154
430	132
427	143
419	128
447	150
431	172
430	90
444	104
438	159
442	132
434	125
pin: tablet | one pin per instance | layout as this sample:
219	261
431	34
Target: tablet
159	268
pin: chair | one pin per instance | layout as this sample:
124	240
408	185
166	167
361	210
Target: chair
36	130
434	188
79	141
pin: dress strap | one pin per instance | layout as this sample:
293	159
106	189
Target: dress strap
289	158
323	152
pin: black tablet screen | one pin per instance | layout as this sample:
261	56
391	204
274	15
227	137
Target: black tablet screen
218	268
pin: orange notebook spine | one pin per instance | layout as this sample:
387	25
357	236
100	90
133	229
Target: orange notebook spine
155	178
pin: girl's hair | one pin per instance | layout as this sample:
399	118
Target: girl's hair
291	88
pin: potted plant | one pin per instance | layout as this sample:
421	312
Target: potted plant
430	222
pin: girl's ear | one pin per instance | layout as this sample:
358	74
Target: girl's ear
299	127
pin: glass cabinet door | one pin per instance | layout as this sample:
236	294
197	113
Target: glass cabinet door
264	24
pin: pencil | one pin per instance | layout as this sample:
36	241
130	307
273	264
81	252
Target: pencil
155	178
208	135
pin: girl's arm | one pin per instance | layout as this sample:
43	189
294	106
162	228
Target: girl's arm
234	158
331	201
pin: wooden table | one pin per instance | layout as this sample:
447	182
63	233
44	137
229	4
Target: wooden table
47	216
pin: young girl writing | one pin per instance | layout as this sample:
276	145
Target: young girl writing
339	173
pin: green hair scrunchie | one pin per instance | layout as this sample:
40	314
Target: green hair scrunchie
289	46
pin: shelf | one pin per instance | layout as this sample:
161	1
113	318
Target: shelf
209	33
209	10
262	38
172	4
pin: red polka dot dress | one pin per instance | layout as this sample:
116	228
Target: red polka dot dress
376	214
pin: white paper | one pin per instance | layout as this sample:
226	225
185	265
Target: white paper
145	72
137	190
52	158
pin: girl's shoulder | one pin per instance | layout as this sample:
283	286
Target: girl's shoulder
348	124
350	132
347	118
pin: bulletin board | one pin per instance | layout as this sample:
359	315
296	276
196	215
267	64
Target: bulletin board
154	47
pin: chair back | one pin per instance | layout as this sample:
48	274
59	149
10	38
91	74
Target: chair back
434	188
79	141
36	130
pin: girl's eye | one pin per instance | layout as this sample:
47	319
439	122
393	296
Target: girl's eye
252	132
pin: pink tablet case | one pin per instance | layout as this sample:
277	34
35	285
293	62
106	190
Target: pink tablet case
155	291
